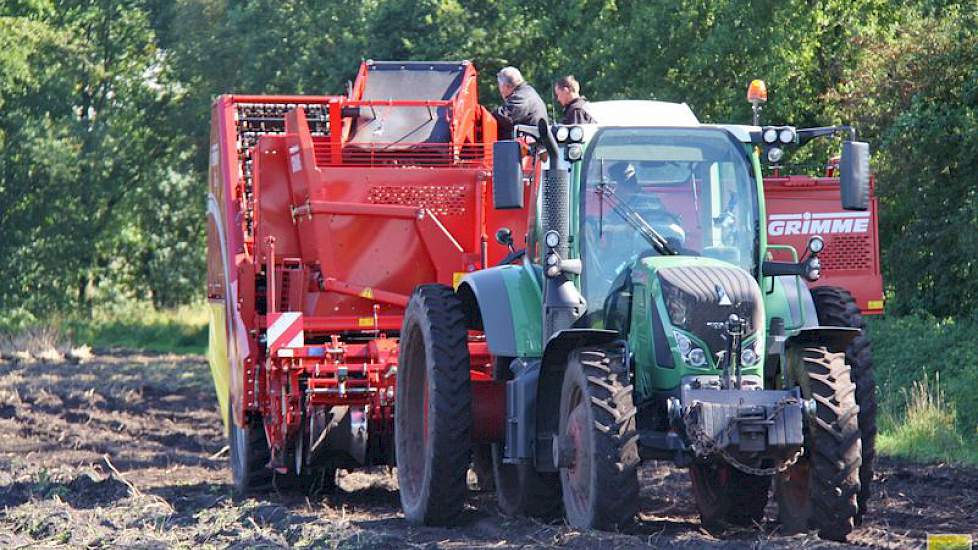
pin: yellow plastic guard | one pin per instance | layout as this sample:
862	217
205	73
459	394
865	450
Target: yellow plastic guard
217	355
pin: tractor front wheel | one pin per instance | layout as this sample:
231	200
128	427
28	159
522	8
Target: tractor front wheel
836	307
433	422
598	433
820	490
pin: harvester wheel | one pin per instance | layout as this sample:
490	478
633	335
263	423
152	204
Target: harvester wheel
434	407
597	424
520	489
249	456
836	307
820	490
725	494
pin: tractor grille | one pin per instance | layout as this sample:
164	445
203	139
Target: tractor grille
693	300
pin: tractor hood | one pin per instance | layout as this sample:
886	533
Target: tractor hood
699	294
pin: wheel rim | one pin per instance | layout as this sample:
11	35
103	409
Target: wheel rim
577	478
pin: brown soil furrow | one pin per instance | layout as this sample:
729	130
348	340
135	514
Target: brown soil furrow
155	418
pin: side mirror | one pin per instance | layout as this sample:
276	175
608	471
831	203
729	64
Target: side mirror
854	175
507	176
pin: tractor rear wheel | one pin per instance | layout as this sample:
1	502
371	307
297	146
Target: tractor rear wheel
836	307
520	489
820	490
249	456
434	407
597	426
724	494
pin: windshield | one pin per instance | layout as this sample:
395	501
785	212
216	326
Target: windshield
692	186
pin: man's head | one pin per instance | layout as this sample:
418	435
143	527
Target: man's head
567	89
624	175
508	78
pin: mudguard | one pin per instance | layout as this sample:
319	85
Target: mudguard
833	338
505	302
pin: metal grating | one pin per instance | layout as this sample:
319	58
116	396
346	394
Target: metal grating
254	120
847	253
445	200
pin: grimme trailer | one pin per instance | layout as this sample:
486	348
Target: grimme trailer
352	275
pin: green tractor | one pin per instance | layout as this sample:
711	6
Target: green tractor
645	319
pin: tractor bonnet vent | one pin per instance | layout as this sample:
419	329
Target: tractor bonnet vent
697	295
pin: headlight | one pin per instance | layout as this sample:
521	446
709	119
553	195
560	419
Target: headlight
786	135
748	356
697	357
683	342
562	133
816	244
775	154
575	151
770	135
552	239
576	133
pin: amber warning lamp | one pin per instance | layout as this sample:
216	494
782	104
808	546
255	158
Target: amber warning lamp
756	94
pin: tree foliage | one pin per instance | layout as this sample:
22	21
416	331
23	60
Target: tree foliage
104	109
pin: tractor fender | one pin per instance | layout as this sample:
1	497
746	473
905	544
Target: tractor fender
834	338
505	303
801	307
551	380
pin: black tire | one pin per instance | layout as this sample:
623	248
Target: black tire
724	494
597	421
836	307
433	421
820	490
249	456
520	489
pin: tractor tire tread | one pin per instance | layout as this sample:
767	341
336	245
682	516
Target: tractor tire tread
446	490
617	502
837	457
836	307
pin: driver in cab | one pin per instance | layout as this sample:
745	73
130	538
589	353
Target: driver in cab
647	204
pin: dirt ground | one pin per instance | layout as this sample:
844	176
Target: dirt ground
124	450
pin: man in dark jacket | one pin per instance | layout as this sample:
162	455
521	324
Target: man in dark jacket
576	110
521	103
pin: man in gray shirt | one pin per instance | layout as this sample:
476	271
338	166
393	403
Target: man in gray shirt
521	103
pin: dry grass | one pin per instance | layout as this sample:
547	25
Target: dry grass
928	428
